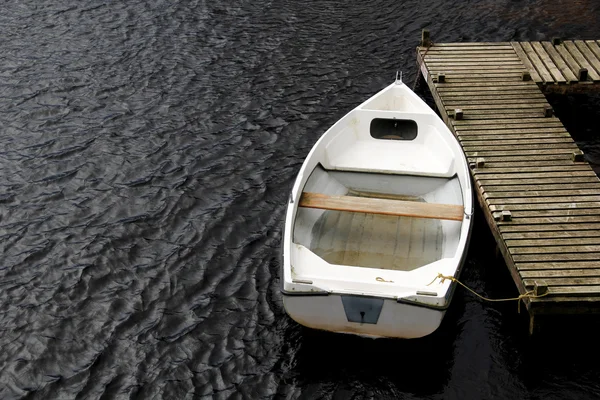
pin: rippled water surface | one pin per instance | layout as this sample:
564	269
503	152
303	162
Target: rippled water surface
146	153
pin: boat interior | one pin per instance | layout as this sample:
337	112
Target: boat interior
373	237
384	193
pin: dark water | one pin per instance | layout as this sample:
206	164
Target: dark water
147	150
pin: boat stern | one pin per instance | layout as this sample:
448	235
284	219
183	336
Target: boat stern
362	315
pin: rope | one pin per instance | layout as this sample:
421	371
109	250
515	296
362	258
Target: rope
528	294
421	65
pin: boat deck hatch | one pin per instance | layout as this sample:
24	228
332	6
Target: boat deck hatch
393	129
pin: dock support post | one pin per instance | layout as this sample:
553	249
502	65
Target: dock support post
425	39
533	328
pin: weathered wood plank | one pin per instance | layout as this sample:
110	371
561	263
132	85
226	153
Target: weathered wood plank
442	87
471	79
429	58
560	273
469	145
554	257
466	69
524	145
509	169
568	281
568	273
492	87
468	51
545	57
519	152
557	266
562	212
454	78
538	188
382	206
550	209
559	62
506	124
490	194
535	76
494	45
488	113
522	132
502	164
546	176
478	55
575	219
524	95
547	199
537	62
451	48
522	114
561	304
516	106
588	54
549	227
484	74
560	234
574	51
476	64
575	290
594	48
498	123
543	243
544	159
486	98
458	56
531	137
502	77
486	102
555	249
569	60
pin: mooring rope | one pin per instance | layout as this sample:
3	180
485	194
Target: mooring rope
530	294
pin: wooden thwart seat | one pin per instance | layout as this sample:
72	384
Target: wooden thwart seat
399	208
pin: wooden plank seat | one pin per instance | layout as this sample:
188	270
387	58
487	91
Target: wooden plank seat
382	206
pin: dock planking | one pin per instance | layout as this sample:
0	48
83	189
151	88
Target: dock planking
539	196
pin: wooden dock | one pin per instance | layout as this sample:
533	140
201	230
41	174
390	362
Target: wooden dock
539	196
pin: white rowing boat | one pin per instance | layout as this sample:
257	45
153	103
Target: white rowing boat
381	206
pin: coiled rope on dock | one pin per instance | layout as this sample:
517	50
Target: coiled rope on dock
530	294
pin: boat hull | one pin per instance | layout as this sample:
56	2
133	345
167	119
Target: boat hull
367	267
395	320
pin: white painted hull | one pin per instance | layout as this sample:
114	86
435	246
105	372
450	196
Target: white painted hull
369	274
397	320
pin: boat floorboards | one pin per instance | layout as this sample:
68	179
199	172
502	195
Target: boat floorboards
377	241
